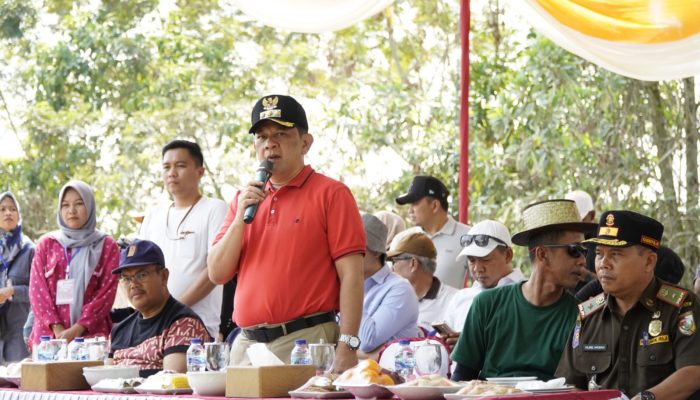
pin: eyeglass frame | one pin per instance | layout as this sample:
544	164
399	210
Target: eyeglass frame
140	276
473	239
579	249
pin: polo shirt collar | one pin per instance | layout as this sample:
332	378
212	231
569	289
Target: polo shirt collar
433	291
298	180
448	229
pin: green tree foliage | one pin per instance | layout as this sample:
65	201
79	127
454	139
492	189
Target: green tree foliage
107	83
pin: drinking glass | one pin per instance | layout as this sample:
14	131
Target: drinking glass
428	358
322	356
217	355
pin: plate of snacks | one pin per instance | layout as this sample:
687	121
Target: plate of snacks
478	389
320	387
165	382
117	385
428	387
368	380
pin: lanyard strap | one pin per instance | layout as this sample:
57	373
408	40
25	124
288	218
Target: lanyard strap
5	266
75	252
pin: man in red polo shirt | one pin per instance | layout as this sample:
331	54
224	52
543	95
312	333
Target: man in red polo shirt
300	260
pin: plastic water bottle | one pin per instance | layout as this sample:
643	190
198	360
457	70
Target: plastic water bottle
43	349
300	353
196	357
404	361
78	350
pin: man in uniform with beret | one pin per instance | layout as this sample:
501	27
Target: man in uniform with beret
640	334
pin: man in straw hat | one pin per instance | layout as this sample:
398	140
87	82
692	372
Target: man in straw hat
639	335
521	329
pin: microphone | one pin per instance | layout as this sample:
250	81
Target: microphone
263	175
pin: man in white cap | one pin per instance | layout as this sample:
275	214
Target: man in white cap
489	252
584	204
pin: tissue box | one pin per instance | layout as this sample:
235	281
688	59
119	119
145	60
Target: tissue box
57	375
269	381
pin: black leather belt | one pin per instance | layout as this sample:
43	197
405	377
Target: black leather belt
267	335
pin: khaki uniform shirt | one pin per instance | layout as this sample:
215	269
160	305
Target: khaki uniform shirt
637	351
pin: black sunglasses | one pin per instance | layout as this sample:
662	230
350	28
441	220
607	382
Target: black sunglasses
480	240
574	250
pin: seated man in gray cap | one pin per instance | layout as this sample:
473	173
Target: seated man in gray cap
390	309
521	329
157	336
413	257
640	335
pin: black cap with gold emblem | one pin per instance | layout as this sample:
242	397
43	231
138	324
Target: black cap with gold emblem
140	252
284	110
627	228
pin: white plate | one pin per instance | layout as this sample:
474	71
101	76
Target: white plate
145	390
510	380
422	392
104	389
569	388
304	394
456	396
372	391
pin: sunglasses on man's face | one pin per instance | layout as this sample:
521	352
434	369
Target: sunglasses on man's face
574	250
480	240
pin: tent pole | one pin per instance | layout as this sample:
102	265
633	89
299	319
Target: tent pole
464	24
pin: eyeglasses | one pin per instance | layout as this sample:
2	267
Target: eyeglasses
480	240
395	259
574	250
137	277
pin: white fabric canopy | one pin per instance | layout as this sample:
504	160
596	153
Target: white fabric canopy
645	61
311	16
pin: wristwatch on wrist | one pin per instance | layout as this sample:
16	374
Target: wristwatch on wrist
647	395
351	340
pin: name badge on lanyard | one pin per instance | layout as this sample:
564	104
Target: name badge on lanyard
64	287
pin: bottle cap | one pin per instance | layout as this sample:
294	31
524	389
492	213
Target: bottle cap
404	342
79	339
195	341
299	342
45	338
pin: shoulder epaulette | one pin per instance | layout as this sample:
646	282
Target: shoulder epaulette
591	305
672	295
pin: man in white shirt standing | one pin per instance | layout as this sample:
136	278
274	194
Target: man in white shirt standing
488	249
427	197
184	229
413	257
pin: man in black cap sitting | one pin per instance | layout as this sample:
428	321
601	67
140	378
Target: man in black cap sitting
157	336
427	197
639	335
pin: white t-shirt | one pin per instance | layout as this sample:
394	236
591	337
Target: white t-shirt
462	301
186	258
435	309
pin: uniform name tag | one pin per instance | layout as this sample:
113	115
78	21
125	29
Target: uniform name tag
595	347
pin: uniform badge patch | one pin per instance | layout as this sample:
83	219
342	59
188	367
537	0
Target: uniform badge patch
686	324
672	295
655	327
577	335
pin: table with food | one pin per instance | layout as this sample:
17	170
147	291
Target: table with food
365	381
